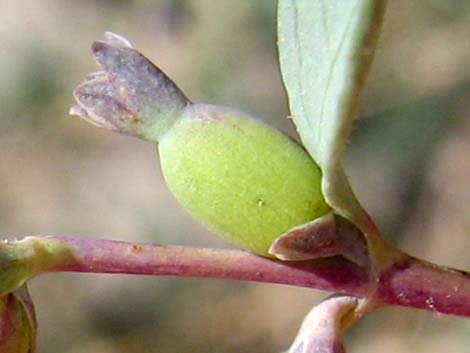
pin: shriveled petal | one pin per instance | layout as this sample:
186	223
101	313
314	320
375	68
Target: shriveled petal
130	94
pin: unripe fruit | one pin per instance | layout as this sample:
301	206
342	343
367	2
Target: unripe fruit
241	178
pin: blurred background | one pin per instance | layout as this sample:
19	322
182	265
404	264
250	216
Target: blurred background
408	160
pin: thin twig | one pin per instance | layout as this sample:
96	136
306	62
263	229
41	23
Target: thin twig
409	282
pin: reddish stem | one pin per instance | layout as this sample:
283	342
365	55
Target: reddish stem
410	282
416	283
108	256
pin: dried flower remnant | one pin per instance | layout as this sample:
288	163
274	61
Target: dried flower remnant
128	93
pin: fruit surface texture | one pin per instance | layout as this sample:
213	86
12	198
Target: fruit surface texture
242	179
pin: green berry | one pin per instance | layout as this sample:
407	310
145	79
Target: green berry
244	180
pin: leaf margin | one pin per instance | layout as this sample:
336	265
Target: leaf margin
335	185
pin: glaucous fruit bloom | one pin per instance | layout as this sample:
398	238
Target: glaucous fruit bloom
241	178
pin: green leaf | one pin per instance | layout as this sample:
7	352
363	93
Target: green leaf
325	50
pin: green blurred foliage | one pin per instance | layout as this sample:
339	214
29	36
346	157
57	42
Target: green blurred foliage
408	161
